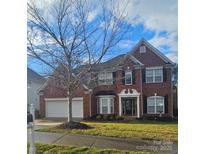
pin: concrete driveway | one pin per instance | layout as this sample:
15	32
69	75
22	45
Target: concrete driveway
105	142
45	123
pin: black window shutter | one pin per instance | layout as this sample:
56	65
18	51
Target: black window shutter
123	77
143	75
114	77
166	103
164	74
133	77
145	104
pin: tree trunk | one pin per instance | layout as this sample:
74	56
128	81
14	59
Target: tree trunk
70	109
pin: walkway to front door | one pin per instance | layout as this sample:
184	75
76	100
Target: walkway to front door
129	106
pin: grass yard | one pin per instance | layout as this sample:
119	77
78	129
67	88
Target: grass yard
58	149
143	129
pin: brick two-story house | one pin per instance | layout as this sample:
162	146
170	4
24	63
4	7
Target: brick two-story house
135	84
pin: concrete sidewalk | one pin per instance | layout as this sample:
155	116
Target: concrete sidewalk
105	142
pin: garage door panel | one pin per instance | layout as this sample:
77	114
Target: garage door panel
77	109
59	108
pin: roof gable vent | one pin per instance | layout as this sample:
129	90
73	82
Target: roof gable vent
142	49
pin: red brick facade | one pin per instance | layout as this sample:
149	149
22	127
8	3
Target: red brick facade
148	59
54	92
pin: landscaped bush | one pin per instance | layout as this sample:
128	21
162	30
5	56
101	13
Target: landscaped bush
158	118
98	117
111	117
119	118
106	117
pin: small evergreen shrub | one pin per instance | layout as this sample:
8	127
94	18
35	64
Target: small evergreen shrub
106	117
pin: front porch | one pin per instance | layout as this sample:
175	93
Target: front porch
129	103
129	106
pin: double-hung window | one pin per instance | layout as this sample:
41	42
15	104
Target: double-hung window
154	75
105	105
128	78
105	78
155	105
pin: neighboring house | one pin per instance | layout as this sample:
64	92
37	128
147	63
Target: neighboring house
34	82
136	84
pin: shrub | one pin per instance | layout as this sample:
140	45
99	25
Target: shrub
98	117
106	117
111	117
119	118
158	118
93	117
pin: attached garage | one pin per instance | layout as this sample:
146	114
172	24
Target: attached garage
58	107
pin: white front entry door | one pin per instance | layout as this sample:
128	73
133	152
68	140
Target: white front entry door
58	108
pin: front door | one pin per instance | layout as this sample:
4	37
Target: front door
129	106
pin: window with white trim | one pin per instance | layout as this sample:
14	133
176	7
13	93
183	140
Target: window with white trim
154	75
142	49
105	78
105	105
155	105
128	77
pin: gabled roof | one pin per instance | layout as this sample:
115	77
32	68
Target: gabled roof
114	63
32	76
47	81
135	60
155	50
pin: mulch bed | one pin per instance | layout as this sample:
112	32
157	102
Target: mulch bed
73	125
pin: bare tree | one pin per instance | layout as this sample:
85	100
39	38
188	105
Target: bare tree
63	36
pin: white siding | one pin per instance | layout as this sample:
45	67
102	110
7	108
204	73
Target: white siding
32	95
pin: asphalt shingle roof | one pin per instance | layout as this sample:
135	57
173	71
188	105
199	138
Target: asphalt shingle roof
32	76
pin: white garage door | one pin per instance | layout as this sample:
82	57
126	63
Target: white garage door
58	108
77	108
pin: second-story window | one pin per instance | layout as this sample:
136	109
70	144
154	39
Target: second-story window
154	75
128	78
105	78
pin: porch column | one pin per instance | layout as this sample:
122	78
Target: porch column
120	106
138	107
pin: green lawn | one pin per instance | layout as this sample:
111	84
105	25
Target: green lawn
58	149
144	129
